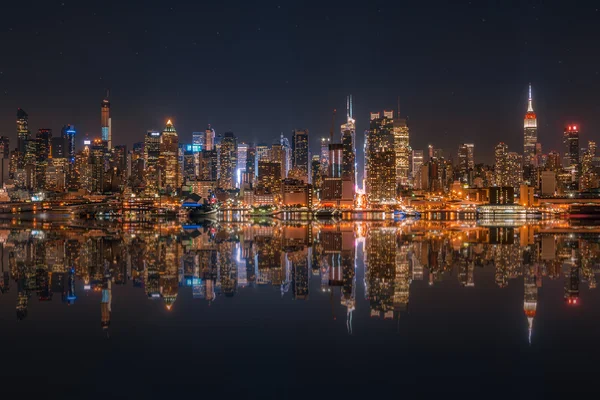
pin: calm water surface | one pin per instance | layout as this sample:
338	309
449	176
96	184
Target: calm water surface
415	309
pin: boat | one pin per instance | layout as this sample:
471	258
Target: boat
509	211
406	212
327	213
197	211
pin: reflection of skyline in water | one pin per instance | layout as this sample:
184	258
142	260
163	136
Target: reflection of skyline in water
218	262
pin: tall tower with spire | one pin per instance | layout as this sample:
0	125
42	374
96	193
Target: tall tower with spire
105	121
169	161
349	144
529	137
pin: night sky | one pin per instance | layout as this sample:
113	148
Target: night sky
261	68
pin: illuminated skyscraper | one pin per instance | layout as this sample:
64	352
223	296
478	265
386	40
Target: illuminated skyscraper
209	139
501	164
198	139
43	142
402	150
4	147
530	138
349	144
336	161
105	121
151	158
169	157
380	161
23	133
571	142
97	156
417	161
227	161
300	150
324	159
466	161
242	157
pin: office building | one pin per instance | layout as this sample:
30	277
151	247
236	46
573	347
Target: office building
380	161
530	138
169	159
300	150
105	121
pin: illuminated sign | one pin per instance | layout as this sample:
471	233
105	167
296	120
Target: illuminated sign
194	148
154	133
87	142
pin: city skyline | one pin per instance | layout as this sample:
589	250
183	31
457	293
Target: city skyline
449	97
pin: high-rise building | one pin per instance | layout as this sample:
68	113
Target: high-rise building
269	175
242	157
336	161
300	150
199	139
23	133
466	161
349	144
380	161
98	173
152	160
169	157
105	121
589	177
227	161
530	139
553	161
42	146
571	142
501	165
514	169
4	147
209	139
250	165
417	161
402	150
68	133
324	159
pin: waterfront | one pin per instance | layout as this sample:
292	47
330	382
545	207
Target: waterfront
351	307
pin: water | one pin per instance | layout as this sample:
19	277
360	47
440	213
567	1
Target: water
412	309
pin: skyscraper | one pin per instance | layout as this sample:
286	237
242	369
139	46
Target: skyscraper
300	150
209	139
105	121
380	160
571	142
169	156
349	144
199	139
501	164
402	150
97	155
417	162
152	158
227	161
529	139
242	157
23	133
4	147
324	158
466	161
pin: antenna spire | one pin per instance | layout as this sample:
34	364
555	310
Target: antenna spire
530	101
351	113
398	106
